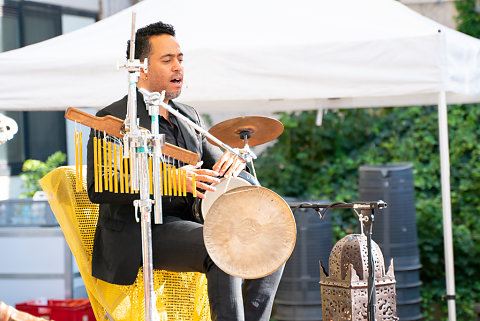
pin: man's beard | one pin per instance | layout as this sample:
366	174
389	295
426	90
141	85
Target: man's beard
173	94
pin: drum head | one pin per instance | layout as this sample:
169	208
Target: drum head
249	232
225	185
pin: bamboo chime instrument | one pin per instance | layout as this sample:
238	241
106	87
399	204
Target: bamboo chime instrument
112	169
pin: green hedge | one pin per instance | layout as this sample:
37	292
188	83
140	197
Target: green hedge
322	162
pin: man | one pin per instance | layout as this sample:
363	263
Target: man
177	243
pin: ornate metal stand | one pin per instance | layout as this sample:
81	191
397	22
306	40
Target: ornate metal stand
366	218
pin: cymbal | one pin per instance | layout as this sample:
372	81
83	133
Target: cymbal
258	129
249	232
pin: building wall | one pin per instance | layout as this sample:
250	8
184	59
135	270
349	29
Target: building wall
104	8
90	5
69	16
109	7
442	11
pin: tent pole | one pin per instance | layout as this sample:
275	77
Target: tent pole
446	204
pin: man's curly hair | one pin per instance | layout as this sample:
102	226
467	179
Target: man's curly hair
142	36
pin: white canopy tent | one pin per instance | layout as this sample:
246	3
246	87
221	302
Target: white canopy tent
252	55
268	55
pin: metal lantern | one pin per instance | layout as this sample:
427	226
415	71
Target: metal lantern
344	291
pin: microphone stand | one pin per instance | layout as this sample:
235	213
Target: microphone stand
366	218
139	144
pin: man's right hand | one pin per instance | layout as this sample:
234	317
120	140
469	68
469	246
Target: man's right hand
202	178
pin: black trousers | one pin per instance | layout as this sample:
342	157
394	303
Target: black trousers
178	246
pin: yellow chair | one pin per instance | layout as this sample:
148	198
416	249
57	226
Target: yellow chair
179	296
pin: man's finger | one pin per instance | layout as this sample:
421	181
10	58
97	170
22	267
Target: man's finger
220	162
226	165
201	195
208	172
235	168
207	178
205	187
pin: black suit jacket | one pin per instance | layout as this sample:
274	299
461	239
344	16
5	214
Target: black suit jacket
117	248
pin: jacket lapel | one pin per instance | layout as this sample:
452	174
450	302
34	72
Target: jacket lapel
189	134
142	112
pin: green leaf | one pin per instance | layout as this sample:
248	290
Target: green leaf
33	170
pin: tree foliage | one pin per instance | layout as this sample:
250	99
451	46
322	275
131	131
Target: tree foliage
33	170
468	17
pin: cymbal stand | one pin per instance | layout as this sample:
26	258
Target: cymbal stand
139	143
366	218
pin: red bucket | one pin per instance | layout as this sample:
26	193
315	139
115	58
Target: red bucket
59	310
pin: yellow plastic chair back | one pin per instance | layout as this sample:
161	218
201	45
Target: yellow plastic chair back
179	296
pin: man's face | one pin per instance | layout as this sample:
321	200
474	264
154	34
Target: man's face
165	70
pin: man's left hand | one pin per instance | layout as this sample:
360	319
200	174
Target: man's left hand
229	165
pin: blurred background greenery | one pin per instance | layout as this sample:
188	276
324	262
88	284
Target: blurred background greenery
321	162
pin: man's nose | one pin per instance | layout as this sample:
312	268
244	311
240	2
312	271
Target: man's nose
177	66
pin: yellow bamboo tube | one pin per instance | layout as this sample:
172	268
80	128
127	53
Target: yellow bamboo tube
130	164
184	183
95	163
125	168
120	163
169	180
131	187
160	172
80	161
110	161
77	172
115	169
150	176
174	180
165	179
179	175
105	161
99	169
194	183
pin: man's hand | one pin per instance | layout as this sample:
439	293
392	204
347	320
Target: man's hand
202	178
229	165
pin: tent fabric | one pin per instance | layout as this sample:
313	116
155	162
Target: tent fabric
265	55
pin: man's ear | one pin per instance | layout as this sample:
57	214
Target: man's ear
143	75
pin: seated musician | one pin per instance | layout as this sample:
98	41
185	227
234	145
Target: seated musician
177	243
